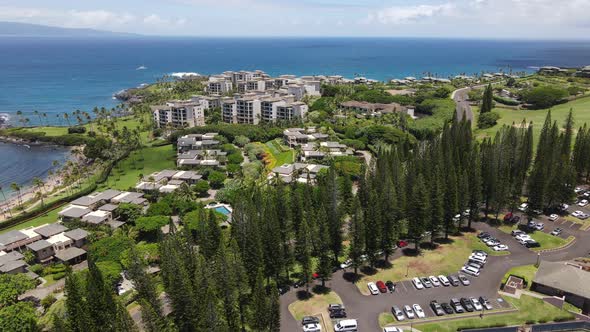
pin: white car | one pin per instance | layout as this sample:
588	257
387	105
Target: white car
346	264
522	207
418	310
578	190
392	329
478	258
434	281
521	237
476	304
470	270
417	283
444	280
313	327
500	247
409	312
373	288
553	217
539	226
579	214
583	202
563	206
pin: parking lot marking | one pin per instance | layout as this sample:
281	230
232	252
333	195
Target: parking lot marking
405	288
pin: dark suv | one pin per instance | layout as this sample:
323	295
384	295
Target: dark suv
456	304
338	313
438	310
467	304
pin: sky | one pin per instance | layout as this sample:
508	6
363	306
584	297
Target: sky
501	19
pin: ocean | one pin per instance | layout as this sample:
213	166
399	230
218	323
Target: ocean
56	75
20	164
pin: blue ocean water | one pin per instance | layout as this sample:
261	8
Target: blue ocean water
53	75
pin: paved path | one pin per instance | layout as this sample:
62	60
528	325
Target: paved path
461	97
366	309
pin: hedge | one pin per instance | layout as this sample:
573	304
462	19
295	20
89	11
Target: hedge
506	101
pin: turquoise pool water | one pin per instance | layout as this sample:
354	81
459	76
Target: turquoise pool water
223	209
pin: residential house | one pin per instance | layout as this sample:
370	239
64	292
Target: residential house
73	213
298	136
78	236
71	255
197	142
15	240
299	172
43	250
12	262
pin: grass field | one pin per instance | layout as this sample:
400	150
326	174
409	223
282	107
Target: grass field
276	155
581	108
315	306
547	241
126	174
526	271
530	310
446	259
47	218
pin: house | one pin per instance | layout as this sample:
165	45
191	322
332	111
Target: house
78	236
564	279
193	158
14	240
190	177
298	136
12	262
43	250
323	150
97	217
372	108
73	213
50	230
130	197
112	208
299	172
71	255
197	142
89	202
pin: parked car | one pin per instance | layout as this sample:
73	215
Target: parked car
476	303
418	310
500	247
373	288
346	264
563	207
479	253
540	226
417	283
426	282
402	243
475	264
523	207
346	325
390	285
456	305
409	312
492	242
532	244
478	258
444	280
473	271
381	286
466	303
578	190
557	231
338	313
553	217
392	329
583	202
517	232
313	327
447	308
485	302
398	313
464	280
309	320
454	280
437	308
580	215
434	280
335	306
483	234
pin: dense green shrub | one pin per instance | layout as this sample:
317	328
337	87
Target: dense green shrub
76	130
544	96
506	101
487	120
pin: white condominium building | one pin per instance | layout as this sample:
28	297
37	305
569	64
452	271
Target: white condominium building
179	114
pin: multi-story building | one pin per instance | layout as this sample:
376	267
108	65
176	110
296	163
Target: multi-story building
219	85
248	110
179	114
228	110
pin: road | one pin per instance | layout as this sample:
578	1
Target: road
460	97
366	309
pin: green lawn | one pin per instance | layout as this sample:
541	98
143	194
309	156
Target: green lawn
47	218
126	174
581	108
547	241
530	310
526	271
478	245
446	259
276	154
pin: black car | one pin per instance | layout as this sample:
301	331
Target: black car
390	286
454	281
298	284
283	289
338	313
447	308
467	304
335	307
310	320
532	244
456	304
437	308
483	234
476	264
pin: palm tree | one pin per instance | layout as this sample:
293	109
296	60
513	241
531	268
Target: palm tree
67	118
20	116
44	115
4	198
14	186
37	182
39	116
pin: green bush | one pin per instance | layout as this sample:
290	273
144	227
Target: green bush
506	101
544	96
216	179
487	120
354	143
58	275
76	130
48	301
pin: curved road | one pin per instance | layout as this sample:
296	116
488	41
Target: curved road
460	97
366	309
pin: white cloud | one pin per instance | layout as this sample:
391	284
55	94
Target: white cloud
408	14
154	19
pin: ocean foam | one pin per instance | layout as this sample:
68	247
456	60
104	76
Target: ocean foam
184	74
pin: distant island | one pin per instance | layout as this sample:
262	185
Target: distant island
35	30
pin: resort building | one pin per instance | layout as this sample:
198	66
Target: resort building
564	279
299	172
167	181
299	136
103	208
180	114
197	142
321	150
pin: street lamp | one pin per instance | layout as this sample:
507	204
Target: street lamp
538	258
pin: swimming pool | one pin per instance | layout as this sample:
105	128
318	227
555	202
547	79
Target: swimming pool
223	209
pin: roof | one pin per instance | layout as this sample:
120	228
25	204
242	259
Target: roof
108	207
564	277
10	257
50	230
12	237
76	234
69	254
39	245
74	211
148	186
85	201
187	175
108	194
127	197
96	217
11	266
